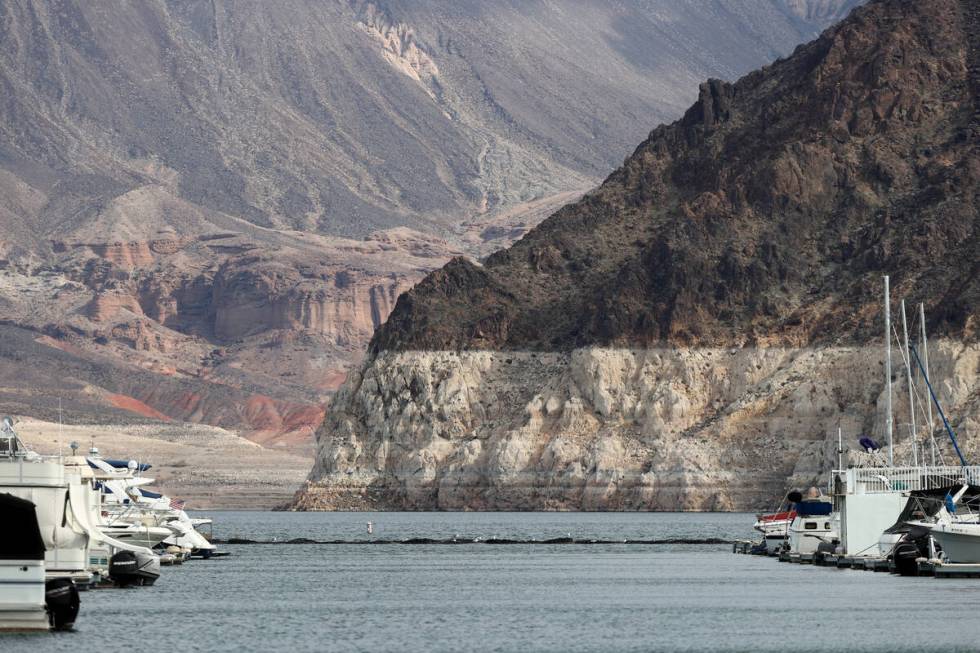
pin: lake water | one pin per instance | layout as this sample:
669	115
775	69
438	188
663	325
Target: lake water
525	597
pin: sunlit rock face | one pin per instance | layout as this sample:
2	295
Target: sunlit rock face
612	429
693	332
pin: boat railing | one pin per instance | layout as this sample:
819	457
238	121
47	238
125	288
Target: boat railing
878	480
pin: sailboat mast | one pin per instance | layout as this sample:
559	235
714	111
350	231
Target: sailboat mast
888	374
925	363
908	371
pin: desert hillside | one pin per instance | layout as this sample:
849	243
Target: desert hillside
206	208
692	333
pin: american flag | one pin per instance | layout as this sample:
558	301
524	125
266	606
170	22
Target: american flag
177	504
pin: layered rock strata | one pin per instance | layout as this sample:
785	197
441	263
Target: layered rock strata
614	429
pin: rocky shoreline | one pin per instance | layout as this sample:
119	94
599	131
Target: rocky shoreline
610	429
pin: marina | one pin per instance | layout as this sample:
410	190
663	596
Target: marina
914	520
566	597
75	523
490	326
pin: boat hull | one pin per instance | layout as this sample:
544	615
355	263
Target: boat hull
960	544
22	596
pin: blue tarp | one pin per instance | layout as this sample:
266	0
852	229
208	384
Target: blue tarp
814	508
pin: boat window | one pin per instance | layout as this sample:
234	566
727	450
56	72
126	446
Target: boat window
810	525
826	525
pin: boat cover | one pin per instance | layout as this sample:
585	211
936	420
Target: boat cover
869	444
121	464
814	508
21	539
926	503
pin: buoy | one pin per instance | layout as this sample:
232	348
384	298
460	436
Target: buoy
370	526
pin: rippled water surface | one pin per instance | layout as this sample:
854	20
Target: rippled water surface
525	597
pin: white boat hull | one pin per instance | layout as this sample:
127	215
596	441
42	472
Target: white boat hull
806	533
139	536
960	543
22	602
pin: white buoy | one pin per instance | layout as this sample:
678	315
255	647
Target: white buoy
370	526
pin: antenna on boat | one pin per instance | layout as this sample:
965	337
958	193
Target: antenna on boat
925	361
939	408
60	420
908	373
888	373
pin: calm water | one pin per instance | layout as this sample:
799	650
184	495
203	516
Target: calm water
512	597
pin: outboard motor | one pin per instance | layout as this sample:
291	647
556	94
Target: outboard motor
122	569
905	556
128	568
61	599
909	550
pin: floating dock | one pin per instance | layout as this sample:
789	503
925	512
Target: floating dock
925	567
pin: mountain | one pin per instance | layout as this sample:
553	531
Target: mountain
206	207
692	333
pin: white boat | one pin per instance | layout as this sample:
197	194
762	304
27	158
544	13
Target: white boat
42	481
29	602
135	533
127	501
814	524
774	527
956	530
22	603
960	542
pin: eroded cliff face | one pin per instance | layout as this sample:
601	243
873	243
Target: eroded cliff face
245	332
692	333
613	429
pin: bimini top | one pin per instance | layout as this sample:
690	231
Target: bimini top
923	504
21	538
814	508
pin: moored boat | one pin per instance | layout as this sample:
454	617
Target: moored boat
29	602
813	525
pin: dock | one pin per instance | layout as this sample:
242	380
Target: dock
932	568
955	570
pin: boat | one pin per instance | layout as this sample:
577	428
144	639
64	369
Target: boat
86	502
868	489
956	528
132	568
29	602
910	537
134	512
42	481
137	533
960	542
814	524
774	526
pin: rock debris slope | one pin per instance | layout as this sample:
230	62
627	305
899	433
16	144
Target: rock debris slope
206	207
691	334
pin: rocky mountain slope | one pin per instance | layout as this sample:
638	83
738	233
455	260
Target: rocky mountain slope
207	207
691	333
